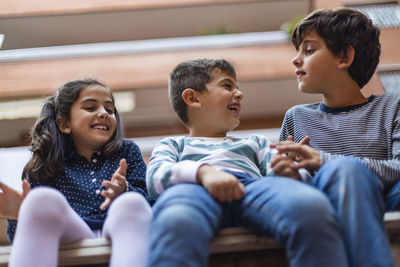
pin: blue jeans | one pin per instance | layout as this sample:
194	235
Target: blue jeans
356	196
392	198
186	218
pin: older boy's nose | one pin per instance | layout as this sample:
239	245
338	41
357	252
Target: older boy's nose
296	61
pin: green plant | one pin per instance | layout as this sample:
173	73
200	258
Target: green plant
219	29
289	26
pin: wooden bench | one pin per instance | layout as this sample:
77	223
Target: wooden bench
232	247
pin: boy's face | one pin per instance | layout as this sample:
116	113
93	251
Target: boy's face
220	104
315	65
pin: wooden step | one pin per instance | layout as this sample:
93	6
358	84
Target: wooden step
232	244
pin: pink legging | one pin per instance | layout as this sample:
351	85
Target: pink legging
46	220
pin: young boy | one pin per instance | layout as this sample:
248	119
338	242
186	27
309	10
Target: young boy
338	51
209	180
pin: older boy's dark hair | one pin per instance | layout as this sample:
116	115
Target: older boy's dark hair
49	145
193	74
341	28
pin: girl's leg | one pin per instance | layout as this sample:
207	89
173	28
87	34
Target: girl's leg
128	226
45	219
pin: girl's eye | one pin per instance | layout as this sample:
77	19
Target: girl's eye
89	108
110	111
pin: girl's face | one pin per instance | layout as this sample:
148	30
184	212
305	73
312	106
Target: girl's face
92	120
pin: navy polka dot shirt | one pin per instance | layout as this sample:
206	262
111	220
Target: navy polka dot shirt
81	182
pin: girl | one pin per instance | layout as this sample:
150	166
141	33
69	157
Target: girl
80	165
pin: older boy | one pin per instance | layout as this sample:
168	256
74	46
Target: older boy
210	180
338	51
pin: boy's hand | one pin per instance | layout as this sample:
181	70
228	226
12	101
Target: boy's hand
282	165
10	200
222	186
116	186
310	158
289	140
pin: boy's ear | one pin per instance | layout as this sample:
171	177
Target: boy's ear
63	125
190	97
346	59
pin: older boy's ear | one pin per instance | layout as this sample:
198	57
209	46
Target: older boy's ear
346	58
190	97
63	125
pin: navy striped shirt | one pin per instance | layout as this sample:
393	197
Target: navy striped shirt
368	131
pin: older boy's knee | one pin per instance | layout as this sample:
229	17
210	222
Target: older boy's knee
347	171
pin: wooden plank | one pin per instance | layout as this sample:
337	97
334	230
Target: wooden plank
229	240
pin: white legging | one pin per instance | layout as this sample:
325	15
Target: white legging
45	220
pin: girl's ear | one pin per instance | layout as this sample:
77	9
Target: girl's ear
191	98
63	125
346	59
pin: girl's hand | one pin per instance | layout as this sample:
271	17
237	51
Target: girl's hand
10	200
116	186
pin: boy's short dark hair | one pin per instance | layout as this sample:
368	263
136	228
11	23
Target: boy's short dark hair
341	28
194	74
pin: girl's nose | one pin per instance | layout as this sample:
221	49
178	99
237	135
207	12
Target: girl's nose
103	114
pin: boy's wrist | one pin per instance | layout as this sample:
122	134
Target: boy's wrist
200	173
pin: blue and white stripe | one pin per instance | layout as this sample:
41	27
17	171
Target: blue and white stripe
176	159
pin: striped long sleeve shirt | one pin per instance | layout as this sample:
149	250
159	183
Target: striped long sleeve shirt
176	159
370	132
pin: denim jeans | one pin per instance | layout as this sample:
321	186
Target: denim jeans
186	218
356	196
392	198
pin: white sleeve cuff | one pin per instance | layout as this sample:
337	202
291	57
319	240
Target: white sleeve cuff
185	172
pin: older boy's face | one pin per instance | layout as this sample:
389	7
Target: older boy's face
221	103
315	65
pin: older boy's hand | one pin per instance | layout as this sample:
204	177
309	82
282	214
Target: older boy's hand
282	165
289	140
310	158
116	186
10	200
222	186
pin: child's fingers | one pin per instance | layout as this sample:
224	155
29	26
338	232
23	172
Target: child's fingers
305	141
26	187
4	187
111	185
119	179
122	167
109	193
105	204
